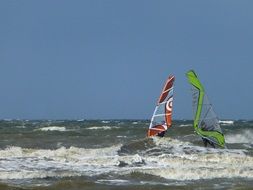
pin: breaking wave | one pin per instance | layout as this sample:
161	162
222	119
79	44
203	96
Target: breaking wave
166	158
52	128
105	121
245	137
185	125
226	122
102	128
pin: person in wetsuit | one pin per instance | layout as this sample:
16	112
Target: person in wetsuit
161	134
206	141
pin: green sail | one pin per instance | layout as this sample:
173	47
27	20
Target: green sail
206	123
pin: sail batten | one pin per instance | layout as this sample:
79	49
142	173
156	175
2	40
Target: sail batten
158	115
206	123
168	90
161	119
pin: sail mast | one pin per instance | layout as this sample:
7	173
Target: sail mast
192	77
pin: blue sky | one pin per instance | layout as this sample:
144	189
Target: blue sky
100	59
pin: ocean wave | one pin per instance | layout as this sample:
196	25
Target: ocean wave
35	174
105	121
185	125
172	159
120	136
182	170
245	137
52	128
185	161
102	127
114	181
20	127
182	148
61	152
226	122
23	163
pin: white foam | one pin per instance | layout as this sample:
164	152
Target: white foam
11	152
246	136
168	142
185	125
120	136
183	161
115	181
21	126
35	174
204	166
58	153
226	122
188	162
102	128
20	163
105	121
52	128
181	148
190	172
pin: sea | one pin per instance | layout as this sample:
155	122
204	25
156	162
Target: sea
116	154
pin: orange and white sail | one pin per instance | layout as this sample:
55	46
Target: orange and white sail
161	119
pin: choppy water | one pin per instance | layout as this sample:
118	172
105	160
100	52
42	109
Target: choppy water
116	154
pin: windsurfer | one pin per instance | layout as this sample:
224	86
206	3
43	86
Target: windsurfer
205	140
161	118
203	111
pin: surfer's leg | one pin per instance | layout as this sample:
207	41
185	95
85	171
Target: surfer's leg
212	144
205	142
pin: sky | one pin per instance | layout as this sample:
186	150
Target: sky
109	59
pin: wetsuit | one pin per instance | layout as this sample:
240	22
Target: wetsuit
161	134
206	141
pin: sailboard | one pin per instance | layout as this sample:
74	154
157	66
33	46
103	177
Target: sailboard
161	119
206	123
